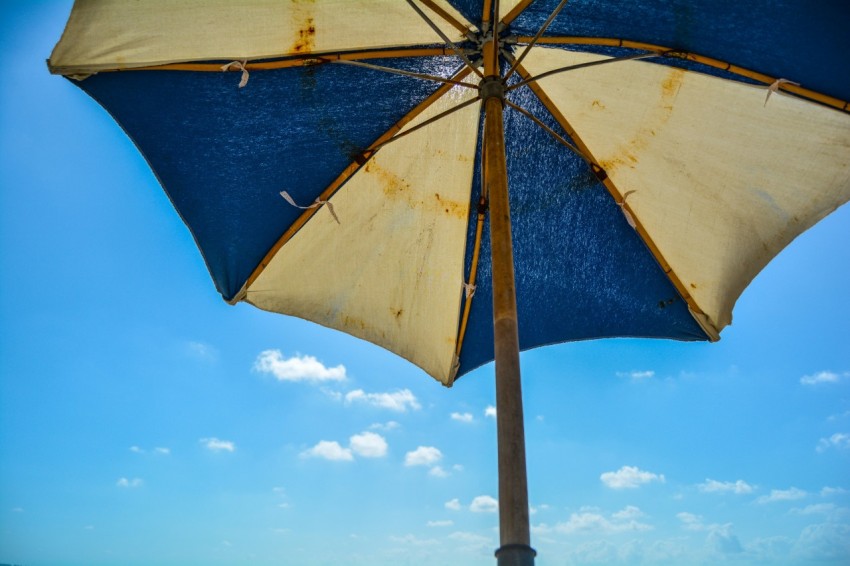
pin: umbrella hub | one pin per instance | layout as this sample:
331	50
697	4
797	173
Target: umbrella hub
492	87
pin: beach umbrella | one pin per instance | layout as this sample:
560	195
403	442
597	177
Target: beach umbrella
459	180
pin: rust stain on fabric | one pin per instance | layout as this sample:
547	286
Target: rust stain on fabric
396	187
306	38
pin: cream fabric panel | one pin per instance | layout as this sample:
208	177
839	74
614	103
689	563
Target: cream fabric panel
392	271
721	181
110	34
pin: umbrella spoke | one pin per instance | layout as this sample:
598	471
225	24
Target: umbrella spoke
530	79
406	73
540	32
548	130
445	38
448	17
427	122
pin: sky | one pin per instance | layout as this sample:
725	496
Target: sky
145	421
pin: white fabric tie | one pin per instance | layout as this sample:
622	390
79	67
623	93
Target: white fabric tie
317	203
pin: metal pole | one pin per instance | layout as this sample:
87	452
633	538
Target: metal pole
513	485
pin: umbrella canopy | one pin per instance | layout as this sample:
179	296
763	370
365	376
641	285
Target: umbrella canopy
331	160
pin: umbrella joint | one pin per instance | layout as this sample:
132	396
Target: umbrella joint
492	87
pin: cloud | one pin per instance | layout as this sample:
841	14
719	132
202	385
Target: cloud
385	427
445	523
462	417
202	351
216	445
438	472
297	368
453	505
823	377
690	521
816	509
368	445
398	401
826	542
490	411
484	504
838	440
423	456
130	483
782	495
157	450
629	477
830	491
738	487
590	520
636	375
722	540
413	540
329	450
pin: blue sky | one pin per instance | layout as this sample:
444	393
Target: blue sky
144	421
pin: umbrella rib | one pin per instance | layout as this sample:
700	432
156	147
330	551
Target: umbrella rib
465	30
549	130
405	73
427	122
534	40
517	10
581	66
701	59
473	271
602	175
340	180
445	38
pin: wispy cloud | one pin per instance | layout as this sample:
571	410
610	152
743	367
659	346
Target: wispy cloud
815	509
792	494
214	444
385	427
297	368
629	477
453	505
490	411
329	450
840	440
484	504
830	491
636	375
438	472
130	483
413	540
399	401
823	377
445	523
158	450
462	417
368	445
202	351
423	456
592	521
713	486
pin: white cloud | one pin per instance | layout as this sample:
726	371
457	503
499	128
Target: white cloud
589	520
162	450
782	495
297	368
636	375
398	401
484	504
423	456
629	477
438	472
130	483
690	521
462	417
413	540
217	445
329	450
137	450
815	509
453	505
446	523
202	351
722	540
737	487
823	377
490	411
830	491
368	445
385	427
837	440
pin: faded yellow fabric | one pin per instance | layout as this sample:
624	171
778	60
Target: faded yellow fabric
122	34
721	181
391	272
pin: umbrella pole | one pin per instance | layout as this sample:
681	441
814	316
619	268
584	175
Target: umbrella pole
513	485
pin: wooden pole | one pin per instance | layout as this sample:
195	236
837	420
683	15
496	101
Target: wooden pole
513	484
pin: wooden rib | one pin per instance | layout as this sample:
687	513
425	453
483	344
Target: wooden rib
695	57
487	12
352	168
514	14
701	317
473	270
301	61
464	29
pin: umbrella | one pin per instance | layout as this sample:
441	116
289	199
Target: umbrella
459	180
